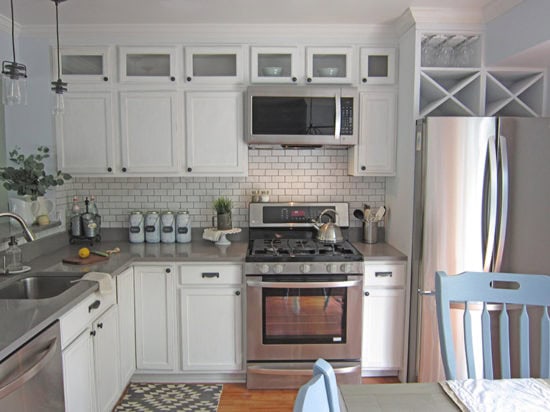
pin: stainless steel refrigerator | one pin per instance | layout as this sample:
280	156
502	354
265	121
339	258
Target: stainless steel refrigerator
482	203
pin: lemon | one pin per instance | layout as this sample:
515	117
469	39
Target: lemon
84	252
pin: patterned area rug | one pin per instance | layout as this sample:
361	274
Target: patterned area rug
153	397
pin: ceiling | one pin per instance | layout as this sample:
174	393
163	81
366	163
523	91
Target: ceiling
40	12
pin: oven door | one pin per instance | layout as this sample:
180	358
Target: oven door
301	317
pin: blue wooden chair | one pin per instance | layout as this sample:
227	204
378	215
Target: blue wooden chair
494	294
323	368
312	396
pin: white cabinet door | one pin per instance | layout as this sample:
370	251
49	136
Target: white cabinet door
78	374
84	134
84	65
375	154
329	64
155	306
275	65
106	353
214	65
378	66
126	325
383	328
149	132
157	65
211	328
215	140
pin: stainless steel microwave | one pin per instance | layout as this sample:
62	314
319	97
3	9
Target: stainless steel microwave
301	115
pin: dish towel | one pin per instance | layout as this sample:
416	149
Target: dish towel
105	281
212	234
484	395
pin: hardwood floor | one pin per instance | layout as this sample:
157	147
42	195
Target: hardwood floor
236	398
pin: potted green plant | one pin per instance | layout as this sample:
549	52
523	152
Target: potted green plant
222	206
30	181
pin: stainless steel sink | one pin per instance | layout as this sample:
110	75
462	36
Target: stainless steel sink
38	286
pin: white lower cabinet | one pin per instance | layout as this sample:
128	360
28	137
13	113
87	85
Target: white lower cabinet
126	325
90	362
383	318
155	312
210	300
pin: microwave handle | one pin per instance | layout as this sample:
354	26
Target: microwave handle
338	117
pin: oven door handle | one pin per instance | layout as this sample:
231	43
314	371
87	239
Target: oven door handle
304	285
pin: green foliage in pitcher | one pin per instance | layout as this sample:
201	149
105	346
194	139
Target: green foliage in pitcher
223	205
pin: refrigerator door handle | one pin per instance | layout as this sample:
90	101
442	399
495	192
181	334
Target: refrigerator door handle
493	193
504	186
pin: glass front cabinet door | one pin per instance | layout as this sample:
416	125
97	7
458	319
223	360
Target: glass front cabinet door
83	64
329	64
148	64
205	65
377	66
274	65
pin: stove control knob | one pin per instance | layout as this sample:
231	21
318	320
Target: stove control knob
332	268
278	268
263	268
305	268
345	267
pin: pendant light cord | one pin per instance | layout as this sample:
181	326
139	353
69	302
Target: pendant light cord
57	35
12	31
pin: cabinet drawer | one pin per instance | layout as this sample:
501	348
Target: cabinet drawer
218	274
76	320
387	274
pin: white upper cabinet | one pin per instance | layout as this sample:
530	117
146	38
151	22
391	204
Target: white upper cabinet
84	133
275	65
215	140
222	64
149	64
378	66
83	64
149	137
329	64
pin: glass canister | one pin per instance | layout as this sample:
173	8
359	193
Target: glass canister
183	227
167	227
136	227
152	227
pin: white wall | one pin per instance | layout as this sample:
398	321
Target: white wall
521	28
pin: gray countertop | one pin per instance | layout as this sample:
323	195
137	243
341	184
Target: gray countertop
20	320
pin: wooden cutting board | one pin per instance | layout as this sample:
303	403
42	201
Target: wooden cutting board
90	260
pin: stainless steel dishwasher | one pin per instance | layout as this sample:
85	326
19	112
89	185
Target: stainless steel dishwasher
31	379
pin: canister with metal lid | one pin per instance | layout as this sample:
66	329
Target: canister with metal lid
136	227
183	227
152	227
167	227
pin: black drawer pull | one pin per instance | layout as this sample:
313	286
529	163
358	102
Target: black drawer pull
93	333
238	293
94	305
100	325
367	293
210	275
383	274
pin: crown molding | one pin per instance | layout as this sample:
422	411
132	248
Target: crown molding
404	22
446	16
498	7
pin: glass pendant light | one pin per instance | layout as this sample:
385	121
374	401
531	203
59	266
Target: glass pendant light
58	86
14	79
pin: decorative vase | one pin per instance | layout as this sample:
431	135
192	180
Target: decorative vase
42	206
23	206
224	221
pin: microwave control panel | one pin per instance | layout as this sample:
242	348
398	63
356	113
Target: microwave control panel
346	110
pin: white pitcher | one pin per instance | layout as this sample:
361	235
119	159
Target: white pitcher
41	206
23	206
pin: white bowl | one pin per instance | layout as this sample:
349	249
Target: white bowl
272	71
328	71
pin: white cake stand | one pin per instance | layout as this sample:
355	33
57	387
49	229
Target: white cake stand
223	241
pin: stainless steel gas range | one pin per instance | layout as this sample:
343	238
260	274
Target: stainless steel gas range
304	297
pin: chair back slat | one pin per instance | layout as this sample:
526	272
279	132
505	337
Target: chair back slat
323	368
486	342
495	301
545	345
469	341
524	367
504	342
312	396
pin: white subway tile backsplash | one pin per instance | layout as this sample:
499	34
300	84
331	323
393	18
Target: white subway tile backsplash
304	175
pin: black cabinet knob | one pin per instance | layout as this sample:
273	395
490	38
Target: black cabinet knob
168	270
109	169
238	293
363	168
100	325
364	79
92	333
309	79
367	293
294	79
124	169
188	78
172	78
94	305
105	79
189	169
